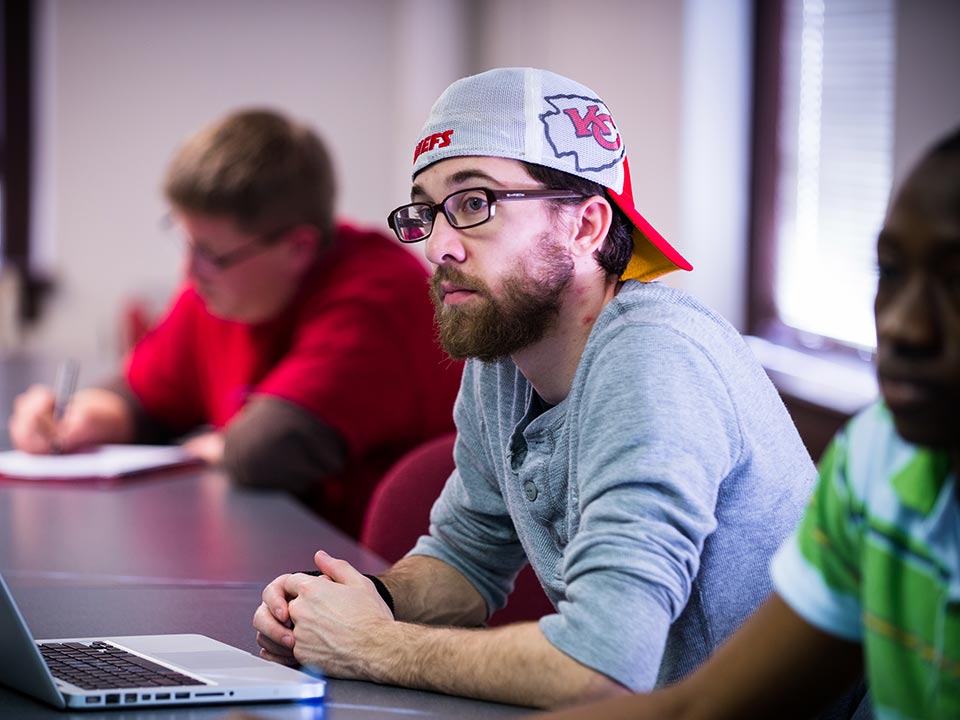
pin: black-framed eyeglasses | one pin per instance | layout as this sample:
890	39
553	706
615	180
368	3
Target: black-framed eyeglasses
462	209
222	261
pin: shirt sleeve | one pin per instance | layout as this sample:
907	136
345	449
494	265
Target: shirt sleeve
652	454
162	380
816	571
275	444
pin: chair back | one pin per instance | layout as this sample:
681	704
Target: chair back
399	513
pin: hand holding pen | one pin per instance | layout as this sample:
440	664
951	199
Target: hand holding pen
36	425
60	419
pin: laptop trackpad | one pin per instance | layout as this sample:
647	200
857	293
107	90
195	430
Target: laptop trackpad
210	660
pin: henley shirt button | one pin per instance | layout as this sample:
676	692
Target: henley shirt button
530	490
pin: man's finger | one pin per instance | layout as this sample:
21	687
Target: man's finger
32	426
292	584
281	659
282	647
274	598
340	571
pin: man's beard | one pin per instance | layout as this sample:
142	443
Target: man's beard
489	328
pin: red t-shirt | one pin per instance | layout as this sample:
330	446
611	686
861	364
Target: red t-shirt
355	348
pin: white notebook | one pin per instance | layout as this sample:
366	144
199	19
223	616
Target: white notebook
104	461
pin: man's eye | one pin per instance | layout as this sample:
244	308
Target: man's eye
474	203
887	272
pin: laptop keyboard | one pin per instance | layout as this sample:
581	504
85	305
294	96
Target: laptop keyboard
101	666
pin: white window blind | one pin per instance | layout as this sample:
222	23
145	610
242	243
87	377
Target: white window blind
835	170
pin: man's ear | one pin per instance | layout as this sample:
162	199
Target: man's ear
304	243
591	224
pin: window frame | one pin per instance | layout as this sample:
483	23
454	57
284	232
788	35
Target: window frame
762	316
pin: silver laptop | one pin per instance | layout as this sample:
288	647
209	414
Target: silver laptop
98	673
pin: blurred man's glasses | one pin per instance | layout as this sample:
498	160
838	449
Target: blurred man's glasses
218	262
462	209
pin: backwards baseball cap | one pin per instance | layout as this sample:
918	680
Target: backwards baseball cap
543	118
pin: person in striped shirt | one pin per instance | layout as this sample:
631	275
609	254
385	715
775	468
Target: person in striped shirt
870	580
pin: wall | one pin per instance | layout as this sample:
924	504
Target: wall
927	99
121	83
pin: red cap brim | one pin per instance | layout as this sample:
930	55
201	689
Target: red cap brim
652	255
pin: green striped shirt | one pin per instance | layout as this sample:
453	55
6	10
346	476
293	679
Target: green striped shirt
876	560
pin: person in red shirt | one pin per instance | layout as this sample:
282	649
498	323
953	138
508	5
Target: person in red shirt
299	351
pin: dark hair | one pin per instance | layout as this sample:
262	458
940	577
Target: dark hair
617	248
258	168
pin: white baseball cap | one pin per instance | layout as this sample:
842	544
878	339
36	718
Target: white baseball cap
543	118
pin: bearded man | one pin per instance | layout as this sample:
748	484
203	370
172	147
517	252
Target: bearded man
612	431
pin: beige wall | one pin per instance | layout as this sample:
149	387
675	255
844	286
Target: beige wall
927	77
121	83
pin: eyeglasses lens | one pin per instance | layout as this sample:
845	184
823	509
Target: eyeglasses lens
413	222
468	208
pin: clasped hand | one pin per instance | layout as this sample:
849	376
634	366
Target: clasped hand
326	623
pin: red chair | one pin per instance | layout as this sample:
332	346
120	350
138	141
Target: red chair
399	513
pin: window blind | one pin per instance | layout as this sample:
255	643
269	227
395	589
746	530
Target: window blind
835	164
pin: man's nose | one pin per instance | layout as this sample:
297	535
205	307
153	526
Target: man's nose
445	243
909	320
194	264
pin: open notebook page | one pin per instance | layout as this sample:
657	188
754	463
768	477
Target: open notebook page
105	461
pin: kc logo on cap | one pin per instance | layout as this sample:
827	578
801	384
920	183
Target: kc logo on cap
582	128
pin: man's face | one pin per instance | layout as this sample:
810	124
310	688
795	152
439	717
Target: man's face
255	282
497	287
918	306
